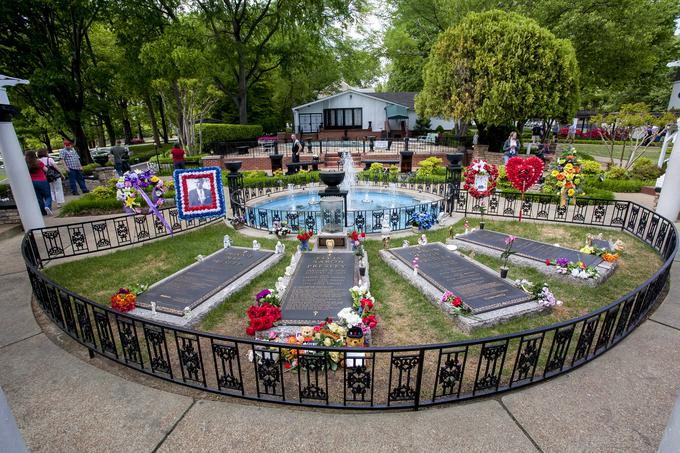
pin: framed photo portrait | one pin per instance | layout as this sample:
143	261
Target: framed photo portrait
199	193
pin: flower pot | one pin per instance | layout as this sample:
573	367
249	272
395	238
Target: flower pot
481	225
504	272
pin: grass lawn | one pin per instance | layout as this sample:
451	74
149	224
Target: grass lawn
603	150
407	317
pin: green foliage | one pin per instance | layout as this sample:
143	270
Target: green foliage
497	67
590	167
89	168
103	192
144	153
229	132
616	173
430	167
88	204
644	168
617	185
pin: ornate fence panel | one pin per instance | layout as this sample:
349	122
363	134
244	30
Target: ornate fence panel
370	378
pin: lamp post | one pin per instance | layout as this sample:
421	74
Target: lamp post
15	165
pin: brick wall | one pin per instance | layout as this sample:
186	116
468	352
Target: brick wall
9	216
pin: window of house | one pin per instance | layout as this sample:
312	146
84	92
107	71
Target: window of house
342	118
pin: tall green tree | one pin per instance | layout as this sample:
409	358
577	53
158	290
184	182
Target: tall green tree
498	68
44	41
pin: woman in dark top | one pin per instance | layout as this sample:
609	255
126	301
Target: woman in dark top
40	184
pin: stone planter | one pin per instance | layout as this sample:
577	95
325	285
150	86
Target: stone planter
332	179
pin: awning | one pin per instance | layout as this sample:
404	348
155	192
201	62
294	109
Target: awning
396	112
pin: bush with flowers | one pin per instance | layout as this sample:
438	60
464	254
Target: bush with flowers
565	177
124	300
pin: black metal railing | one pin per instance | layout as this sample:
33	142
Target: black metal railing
401	377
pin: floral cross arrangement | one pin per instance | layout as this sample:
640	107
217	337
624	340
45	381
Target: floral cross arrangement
454	303
565	177
577	269
422	220
124	300
133	184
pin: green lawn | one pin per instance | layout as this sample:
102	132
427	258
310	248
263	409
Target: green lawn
406	315
603	150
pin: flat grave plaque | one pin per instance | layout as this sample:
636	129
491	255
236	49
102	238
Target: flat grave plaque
527	248
319	287
196	283
480	290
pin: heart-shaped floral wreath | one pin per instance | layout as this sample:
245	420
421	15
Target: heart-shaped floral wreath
524	173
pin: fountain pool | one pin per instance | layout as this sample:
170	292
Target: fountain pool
359	199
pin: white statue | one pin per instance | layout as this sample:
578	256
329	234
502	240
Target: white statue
153	309
226	241
405	243
187	312
280	286
256	245
289	271
280	249
422	240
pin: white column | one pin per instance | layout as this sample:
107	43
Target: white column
669	200
664	147
17	171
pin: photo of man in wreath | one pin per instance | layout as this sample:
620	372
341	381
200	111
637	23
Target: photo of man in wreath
201	195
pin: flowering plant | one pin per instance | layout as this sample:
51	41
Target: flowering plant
577	269
268	296
480	178
356	239
363	304
124	300
262	317
422	220
565	177
508	250
281	229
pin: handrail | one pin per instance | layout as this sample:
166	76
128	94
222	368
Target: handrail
408	376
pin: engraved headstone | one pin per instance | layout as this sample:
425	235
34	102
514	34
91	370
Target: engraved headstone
319	287
527	248
480	290
198	282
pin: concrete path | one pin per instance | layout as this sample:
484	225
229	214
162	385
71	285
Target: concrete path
621	402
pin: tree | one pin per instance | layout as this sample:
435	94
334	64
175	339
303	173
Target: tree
44	41
498	68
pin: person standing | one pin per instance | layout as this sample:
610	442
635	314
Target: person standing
117	152
536	134
297	148
42	188
55	180
177	156
71	159
511	147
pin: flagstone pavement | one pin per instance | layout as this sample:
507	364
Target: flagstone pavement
63	401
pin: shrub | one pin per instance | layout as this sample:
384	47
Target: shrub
142	153
644	168
393	170
89	168
229	133
376	169
430	166
104	192
616	173
591	167
618	185
89	204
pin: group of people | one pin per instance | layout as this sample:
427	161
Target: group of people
47	178
512	146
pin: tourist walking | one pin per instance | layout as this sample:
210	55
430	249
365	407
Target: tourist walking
54	177
511	147
177	156
297	148
118	152
71	159
40	185
536	133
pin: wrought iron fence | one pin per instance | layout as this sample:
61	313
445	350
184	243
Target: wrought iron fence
408	377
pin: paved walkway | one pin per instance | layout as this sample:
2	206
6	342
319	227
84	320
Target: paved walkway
62	402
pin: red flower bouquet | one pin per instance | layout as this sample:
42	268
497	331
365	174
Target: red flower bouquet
305	236
124	300
262	317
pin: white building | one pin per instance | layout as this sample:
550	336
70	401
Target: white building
358	113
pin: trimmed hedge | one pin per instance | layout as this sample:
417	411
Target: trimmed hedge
617	185
142	153
213	133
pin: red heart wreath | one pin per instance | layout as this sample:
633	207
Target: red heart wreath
524	173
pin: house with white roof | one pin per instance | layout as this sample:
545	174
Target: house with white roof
353	113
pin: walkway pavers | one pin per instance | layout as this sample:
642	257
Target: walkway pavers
620	402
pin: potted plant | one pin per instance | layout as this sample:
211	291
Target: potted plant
506	255
304	237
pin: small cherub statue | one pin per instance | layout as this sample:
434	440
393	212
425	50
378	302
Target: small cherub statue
256	245
226	241
405	243
422	240
280	249
187	312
